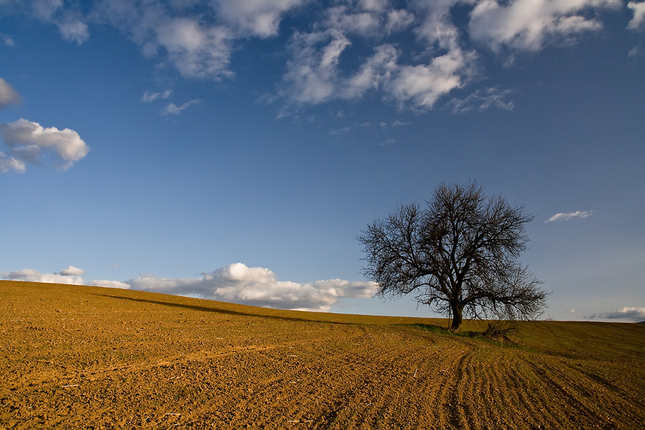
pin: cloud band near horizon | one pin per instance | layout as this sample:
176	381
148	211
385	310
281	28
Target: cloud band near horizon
236	283
635	314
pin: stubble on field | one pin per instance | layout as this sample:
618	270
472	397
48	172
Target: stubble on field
84	357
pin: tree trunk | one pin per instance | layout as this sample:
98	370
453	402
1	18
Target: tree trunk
456	309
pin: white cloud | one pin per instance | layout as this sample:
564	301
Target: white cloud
638	21
148	96
482	100
10	163
421	86
436	27
110	284
29	141
30	275
571	215
313	74
398	20
235	283
256	17
374	72
529	24
346	21
71	27
7	94
627	313
172	108
195	47
71	275
45	9
192	43
312	71
74	31
196	50
72	271
342	50
258	286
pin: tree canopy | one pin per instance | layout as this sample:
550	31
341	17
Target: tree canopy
459	254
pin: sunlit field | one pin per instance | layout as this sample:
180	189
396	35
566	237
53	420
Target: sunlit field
88	357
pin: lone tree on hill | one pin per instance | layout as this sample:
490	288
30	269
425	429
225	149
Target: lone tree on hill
459	254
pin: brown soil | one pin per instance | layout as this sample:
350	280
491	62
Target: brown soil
85	357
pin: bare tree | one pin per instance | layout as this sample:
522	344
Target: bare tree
459	254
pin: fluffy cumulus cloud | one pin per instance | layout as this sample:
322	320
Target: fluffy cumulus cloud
196	37
110	284
562	216
255	17
347	20
236	283
71	275
398	20
373	73
197	50
625	314
171	32
29	142
313	69
258	286
422	85
72	271
529	24
315	73
344	49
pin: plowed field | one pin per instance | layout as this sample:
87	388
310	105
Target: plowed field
85	357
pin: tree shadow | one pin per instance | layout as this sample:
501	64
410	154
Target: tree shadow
447	331
475	335
261	313
433	328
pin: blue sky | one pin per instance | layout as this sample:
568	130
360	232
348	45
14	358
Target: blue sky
234	149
